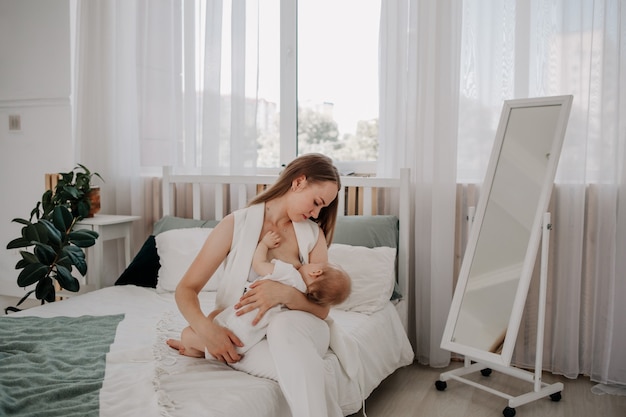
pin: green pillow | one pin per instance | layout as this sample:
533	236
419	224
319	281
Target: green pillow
171	222
368	231
371	232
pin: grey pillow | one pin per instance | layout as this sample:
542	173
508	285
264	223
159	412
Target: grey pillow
368	231
172	222
371	232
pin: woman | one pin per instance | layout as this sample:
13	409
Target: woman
297	340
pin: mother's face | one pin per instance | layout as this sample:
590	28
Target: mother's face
306	199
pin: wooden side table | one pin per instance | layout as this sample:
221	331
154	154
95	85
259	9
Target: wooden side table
109	227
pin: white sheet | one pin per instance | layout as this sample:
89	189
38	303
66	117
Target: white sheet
145	377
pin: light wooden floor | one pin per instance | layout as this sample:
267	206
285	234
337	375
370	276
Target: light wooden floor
411	391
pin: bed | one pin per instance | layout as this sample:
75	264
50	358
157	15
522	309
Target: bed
104	352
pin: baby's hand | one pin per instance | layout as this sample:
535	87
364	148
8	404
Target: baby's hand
271	239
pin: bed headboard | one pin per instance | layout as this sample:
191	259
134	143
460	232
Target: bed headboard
365	196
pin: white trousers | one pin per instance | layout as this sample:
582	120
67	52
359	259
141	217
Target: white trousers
297	342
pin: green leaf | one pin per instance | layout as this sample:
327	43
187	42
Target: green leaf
31	274
45	254
66	177
66	280
83	238
28	257
84	168
81	265
77	257
73	251
65	261
35	232
72	191
21	264
82	207
47	203
22	221
62	219
25	297
44	288
54	235
51	297
19	242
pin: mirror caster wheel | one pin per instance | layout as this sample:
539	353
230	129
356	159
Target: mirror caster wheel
556	396
486	371
441	385
508	412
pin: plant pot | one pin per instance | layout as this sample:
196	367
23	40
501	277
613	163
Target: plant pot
94	201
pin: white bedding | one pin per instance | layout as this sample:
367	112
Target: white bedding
145	377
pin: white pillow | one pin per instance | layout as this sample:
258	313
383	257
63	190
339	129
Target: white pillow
372	271
177	248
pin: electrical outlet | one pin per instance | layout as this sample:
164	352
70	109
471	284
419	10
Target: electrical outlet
15	123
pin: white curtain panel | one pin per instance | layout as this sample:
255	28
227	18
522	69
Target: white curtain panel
127	103
226	135
419	72
517	49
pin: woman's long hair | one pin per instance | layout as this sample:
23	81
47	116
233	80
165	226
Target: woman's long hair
316	168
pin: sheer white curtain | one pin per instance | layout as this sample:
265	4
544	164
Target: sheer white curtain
420	47
228	78
163	82
127	101
550	47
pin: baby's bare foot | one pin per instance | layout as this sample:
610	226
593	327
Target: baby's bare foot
174	344
177	344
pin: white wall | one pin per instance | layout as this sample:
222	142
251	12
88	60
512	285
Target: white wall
35	83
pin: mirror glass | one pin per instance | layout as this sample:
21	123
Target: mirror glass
504	238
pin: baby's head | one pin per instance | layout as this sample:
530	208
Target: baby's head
327	284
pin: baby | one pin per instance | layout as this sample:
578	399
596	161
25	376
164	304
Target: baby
323	283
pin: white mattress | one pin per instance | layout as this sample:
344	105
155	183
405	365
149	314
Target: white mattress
145	377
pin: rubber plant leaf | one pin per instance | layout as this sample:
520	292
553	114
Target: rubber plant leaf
83	238
35	232
45	254
27	259
77	257
44	287
31	274
62	219
54	235
66	280
19	242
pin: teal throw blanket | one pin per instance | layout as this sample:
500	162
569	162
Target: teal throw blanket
53	366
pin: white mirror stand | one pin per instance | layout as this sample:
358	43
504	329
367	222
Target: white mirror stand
510	221
540	389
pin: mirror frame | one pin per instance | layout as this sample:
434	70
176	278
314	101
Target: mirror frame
504	356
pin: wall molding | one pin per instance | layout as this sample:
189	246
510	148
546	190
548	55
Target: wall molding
35	102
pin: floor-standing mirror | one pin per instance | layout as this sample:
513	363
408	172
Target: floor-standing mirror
504	239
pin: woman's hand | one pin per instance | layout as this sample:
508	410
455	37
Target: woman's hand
264	294
219	341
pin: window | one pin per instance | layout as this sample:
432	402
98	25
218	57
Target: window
278	78
338	78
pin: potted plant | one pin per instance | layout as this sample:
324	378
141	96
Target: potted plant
56	247
74	190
